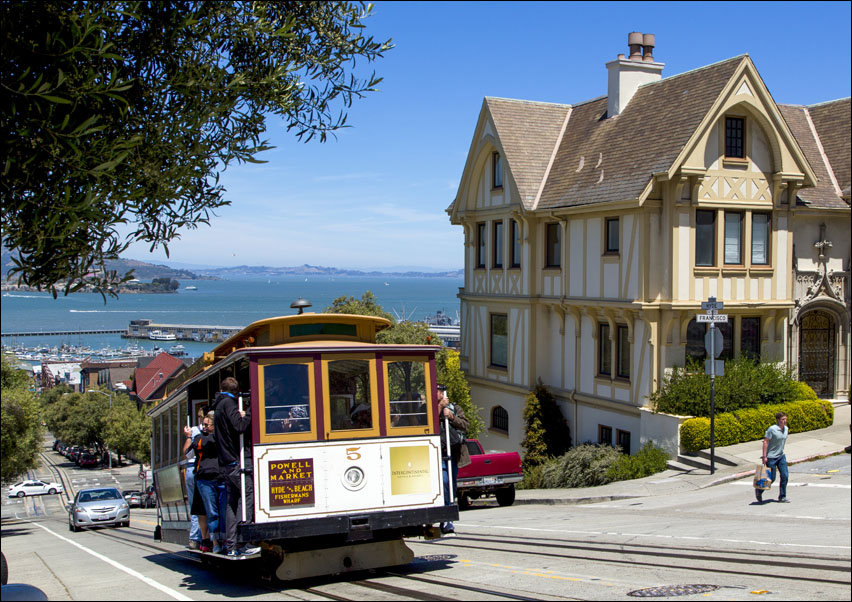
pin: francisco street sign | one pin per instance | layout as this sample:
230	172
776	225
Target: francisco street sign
715	318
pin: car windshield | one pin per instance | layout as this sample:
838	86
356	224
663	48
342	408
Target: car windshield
99	495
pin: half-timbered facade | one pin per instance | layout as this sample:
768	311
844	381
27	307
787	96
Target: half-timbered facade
593	232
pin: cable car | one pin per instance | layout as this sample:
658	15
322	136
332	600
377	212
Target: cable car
346	460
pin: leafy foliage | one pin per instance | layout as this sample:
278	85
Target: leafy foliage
127	429
122	115
20	437
745	384
367	305
590	465
546	432
448	365
647	461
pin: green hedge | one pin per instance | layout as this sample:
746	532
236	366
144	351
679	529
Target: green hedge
750	424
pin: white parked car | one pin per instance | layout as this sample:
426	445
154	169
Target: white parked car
25	488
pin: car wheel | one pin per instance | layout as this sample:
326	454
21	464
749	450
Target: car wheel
21	494
506	497
52	491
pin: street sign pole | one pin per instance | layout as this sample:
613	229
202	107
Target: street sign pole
712	398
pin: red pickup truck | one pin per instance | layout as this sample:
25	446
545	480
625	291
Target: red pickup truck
489	474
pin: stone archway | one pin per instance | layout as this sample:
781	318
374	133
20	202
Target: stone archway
817	336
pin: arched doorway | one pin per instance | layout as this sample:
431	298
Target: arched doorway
816	352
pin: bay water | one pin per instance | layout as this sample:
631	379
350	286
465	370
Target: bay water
214	303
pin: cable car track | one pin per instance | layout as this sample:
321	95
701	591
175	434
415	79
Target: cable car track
570	550
317	589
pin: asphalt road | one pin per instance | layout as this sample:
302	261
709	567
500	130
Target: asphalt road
712	537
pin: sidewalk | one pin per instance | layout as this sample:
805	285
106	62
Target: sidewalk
800	447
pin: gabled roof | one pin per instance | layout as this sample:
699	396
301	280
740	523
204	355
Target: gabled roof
826	193
602	159
832	124
528	132
150	378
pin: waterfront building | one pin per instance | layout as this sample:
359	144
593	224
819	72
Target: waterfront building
152	375
593	232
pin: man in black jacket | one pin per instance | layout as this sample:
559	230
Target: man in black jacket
230	423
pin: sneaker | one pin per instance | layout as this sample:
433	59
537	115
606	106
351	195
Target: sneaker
249	550
194	544
758	493
232	553
217	549
206	546
783	500
447	528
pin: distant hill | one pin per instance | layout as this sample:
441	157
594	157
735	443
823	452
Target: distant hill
141	269
246	272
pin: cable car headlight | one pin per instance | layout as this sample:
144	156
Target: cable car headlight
354	478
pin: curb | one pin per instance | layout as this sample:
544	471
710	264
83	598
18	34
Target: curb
576	501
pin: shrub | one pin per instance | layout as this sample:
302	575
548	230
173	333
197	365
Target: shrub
802	391
546	432
750	424
535	449
582	466
532	476
745	384
649	460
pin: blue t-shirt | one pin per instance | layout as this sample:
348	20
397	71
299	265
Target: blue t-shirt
777	439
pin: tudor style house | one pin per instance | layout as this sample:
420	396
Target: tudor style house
594	231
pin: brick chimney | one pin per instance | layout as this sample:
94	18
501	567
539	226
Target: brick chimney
627	74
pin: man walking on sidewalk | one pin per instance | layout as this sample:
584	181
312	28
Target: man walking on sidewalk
773	455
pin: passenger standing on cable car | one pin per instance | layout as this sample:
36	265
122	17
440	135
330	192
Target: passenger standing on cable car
453	414
230	422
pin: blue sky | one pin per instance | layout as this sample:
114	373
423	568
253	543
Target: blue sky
376	196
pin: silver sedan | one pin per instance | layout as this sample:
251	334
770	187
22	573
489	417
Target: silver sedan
98	506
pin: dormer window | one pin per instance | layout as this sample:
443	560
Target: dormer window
496	170
735	138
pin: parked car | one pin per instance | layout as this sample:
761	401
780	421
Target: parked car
150	498
25	488
88	460
98	506
73	453
134	498
489	474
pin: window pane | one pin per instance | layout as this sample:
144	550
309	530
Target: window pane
554	241
286	398
734	127
605	346
499	340
407	387
750	338
695	332
498	244
500	419
733	238
612	235
622	440
705	237
516	245
760	238
497	169
604	434
349	394
480	245
623	352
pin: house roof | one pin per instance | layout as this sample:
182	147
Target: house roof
528	134
832	123
155	374
602	159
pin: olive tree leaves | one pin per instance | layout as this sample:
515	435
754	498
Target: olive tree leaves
121	116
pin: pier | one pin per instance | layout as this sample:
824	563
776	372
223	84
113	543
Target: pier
63	333
146	329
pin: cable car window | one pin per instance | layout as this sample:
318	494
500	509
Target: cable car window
349	394
287	398
407	390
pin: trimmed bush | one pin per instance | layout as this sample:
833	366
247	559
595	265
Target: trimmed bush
750	424
649	460
582	466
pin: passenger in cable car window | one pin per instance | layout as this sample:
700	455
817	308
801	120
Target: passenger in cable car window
361	417
297	420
